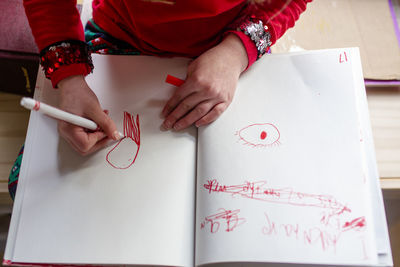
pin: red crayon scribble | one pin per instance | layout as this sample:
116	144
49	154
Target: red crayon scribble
357	224
129	144
259	191
229	218
343	57
259	135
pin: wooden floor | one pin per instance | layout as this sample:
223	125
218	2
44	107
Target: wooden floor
385	118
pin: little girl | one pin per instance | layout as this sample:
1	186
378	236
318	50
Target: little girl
224	37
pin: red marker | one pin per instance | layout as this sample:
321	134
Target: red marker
174	81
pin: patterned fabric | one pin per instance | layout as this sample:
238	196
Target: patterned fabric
99	42
102	43
14	174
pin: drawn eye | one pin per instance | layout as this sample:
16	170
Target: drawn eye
259	135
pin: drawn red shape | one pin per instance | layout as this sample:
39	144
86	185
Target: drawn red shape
343	57
356	224
125	152
259	135
263	135
230	218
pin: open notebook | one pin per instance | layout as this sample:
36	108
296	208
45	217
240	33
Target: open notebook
287	175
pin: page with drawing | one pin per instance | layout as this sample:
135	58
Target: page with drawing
131	202
280	174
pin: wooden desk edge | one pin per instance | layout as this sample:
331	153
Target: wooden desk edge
391	187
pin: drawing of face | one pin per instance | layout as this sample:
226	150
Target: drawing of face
259	135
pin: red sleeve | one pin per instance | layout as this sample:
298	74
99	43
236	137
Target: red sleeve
278	15
52	21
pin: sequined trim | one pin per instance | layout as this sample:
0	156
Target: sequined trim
64	53
258	33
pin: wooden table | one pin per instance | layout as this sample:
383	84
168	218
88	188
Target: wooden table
384	107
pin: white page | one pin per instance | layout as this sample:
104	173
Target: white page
77	210
296	193
376	198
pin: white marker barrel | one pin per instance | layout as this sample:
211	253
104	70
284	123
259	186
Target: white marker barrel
32	104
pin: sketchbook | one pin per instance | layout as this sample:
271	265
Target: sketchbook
287	176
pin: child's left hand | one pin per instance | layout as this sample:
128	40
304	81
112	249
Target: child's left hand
209	88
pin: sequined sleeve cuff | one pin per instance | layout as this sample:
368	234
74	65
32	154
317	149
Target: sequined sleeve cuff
255	37
258	33
64	59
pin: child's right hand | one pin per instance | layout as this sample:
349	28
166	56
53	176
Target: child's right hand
76	97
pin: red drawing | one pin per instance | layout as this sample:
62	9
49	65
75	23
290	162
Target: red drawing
270	227
357	224
259	191
228	217
366	256
343	57
325	237
124	153
259	135
321	237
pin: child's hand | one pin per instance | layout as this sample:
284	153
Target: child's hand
209	87
79	99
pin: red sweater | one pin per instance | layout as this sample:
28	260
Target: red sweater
182	28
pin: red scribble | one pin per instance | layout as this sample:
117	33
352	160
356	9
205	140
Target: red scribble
291	229
321	237
325	238
329	218
259	191
259	135
344	58
270	228
228	217
131	137
357	224
366	256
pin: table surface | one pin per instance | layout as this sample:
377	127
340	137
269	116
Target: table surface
384	108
